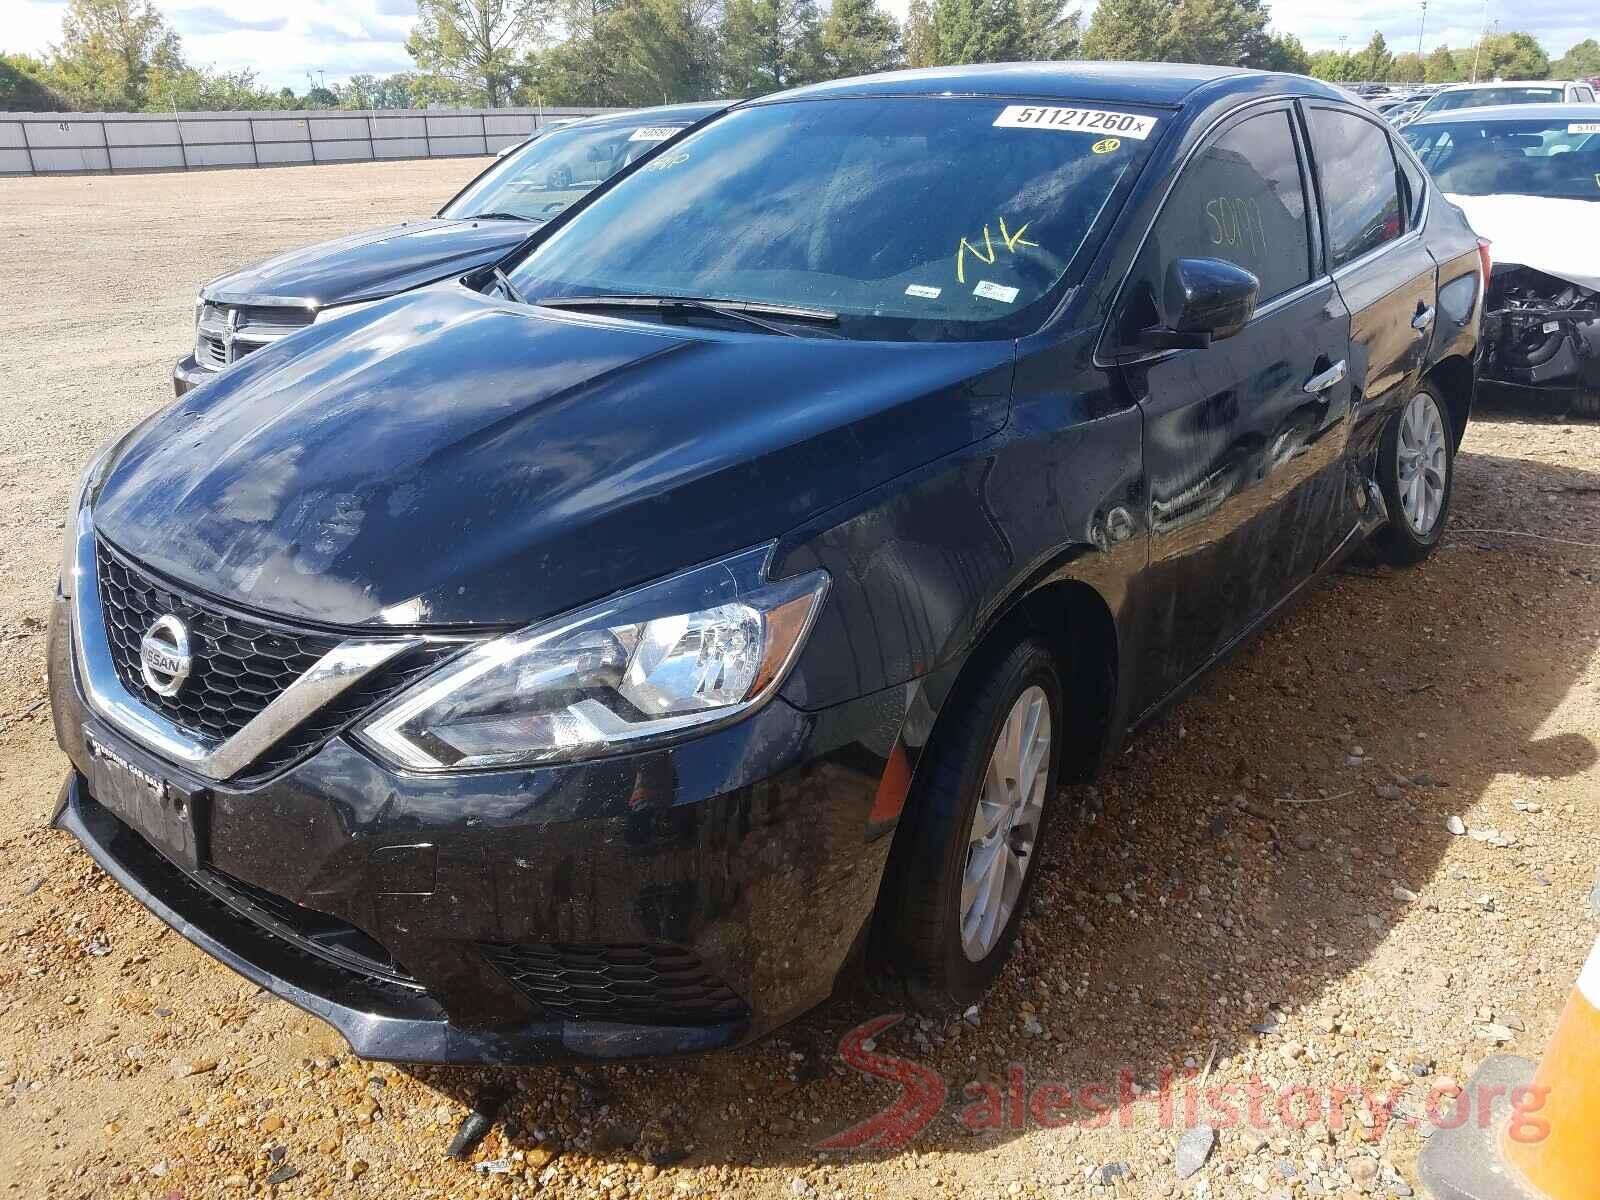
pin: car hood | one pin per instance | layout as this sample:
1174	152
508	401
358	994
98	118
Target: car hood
372	265
444	458
1550	235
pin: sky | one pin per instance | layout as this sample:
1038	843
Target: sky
284	39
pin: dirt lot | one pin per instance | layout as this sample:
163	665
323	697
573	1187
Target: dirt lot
1264	888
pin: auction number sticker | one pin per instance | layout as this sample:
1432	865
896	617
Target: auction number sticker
1075	120
1584	127
652	133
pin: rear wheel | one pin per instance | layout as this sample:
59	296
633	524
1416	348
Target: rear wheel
1416	471
963	863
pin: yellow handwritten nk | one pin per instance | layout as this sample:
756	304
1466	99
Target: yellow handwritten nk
1011	241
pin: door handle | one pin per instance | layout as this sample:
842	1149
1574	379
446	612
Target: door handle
1323	380
1423	319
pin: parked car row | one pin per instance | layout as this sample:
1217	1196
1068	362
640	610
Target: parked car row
705	576
1400	105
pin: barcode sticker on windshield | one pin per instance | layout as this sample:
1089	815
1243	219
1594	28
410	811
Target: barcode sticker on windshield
1075	120
652	133
923	290
1584	127
995	291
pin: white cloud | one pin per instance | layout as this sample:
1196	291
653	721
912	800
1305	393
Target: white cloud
281	42
339	38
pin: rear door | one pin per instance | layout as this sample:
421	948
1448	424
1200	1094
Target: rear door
1244	439
1383	270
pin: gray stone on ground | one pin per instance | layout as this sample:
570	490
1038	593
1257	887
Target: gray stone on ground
1194	1147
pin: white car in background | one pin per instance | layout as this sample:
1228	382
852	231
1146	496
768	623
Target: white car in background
1528	178
1509	91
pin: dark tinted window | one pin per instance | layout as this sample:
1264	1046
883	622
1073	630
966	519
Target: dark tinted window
1359	183
1240	199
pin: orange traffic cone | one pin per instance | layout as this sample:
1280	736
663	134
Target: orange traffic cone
1525	1133
1564	1163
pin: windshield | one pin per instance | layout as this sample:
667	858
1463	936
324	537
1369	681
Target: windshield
1547	157
1484	97
549	173
914	218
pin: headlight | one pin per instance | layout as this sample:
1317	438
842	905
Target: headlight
699	649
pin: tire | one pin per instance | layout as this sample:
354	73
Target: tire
924	957
1412	437
1587	404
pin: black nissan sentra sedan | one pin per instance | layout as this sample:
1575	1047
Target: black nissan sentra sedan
591	657
244	310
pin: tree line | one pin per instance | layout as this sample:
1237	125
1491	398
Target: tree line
122	56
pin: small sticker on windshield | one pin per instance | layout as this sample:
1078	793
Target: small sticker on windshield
994	291
1552	327
652	133
1107	145
1584	127
1075	120
923	290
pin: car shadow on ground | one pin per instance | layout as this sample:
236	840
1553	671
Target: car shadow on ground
1238	857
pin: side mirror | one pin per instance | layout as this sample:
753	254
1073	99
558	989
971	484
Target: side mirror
1208	299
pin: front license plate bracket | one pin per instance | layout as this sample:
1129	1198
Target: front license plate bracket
171	817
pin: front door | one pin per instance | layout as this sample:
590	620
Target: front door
1244	440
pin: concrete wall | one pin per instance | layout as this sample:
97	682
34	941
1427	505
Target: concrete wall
74	143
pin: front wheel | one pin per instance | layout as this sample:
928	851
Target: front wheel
964	858
1416	472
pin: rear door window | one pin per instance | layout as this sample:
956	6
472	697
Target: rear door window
1360	185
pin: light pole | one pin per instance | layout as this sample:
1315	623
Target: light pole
1422	23
1478	49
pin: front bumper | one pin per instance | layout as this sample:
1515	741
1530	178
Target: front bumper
666	902
188	375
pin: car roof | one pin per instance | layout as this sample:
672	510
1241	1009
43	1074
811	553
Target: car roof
1490	113
1167	84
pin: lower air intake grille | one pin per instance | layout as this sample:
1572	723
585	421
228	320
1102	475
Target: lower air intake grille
636	984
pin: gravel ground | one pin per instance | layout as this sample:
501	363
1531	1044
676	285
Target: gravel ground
1265	891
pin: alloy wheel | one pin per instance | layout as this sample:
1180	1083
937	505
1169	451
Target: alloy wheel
1005	825
1421	458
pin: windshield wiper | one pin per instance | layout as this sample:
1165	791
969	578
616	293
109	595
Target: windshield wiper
746	311
508	287
496	216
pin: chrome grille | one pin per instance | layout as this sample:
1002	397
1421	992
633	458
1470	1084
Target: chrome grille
241	663
226	333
